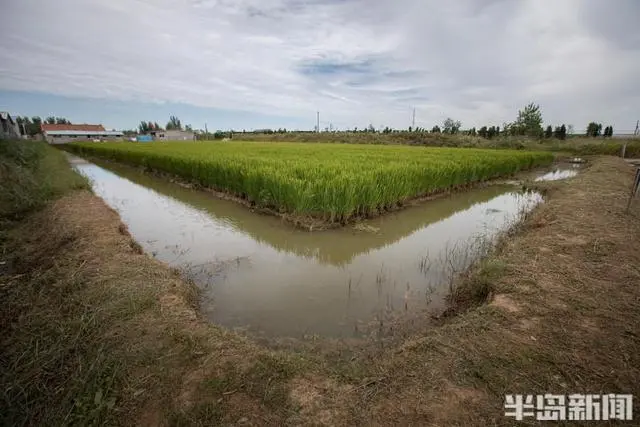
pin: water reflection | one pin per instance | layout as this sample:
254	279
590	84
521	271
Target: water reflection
261	273
559	174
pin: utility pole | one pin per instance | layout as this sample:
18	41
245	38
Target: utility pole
318	121
413	121
636	132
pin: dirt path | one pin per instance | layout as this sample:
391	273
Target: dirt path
110	335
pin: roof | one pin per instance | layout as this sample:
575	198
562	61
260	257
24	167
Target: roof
6	116
81	128
84	133
170	130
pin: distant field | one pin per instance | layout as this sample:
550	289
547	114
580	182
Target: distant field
332	182
577	145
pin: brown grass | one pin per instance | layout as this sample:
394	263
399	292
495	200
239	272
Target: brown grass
98	333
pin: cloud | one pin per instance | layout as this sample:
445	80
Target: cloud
356	61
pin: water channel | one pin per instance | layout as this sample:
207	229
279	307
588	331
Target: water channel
261	274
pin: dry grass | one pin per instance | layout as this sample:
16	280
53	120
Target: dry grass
96	333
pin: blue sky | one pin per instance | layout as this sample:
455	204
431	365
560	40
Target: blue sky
127	114
256	63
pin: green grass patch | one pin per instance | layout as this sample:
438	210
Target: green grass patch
328	181
32	172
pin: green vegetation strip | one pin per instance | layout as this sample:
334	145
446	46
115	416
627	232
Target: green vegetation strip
328	181
32	173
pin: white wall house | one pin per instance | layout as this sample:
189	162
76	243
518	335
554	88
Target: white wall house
62	134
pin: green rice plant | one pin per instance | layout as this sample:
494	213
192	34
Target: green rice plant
333	182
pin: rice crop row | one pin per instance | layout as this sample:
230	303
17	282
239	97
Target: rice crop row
328	181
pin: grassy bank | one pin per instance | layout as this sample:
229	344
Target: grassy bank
32	173
332	183
574	145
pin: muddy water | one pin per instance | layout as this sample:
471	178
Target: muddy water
261	274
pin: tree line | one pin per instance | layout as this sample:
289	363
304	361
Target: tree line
32	125
528	123
174	123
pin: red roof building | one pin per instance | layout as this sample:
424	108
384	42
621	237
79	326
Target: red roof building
60	134
77	128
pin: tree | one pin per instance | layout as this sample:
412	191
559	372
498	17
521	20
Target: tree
529	121
451	126
146	127
570	129
608	131
50	120
174	123
62	121
436	129
483	132
31	126
491	132
549	132
594	129
36	125
560	132
188	128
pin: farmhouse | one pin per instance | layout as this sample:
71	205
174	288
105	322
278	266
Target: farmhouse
172	135
8	126
60	134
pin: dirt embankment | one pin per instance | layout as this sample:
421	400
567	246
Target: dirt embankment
96	332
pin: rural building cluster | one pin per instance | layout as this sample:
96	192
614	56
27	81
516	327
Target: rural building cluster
62	133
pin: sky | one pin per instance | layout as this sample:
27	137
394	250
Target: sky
247	64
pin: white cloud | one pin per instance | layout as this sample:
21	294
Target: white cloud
357	61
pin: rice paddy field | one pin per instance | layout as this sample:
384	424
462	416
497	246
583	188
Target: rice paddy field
330	182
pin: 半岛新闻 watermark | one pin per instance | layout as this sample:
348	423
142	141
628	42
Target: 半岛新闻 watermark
572	407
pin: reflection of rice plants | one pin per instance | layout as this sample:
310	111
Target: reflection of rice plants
458	257
207	274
